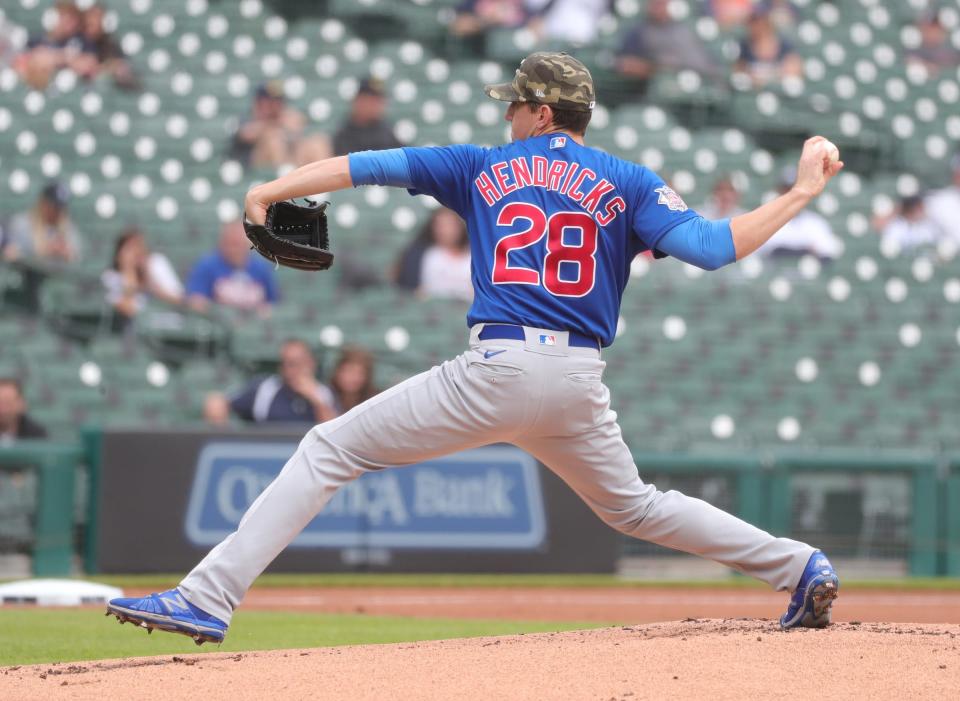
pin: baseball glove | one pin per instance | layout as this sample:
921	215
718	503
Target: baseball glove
294	235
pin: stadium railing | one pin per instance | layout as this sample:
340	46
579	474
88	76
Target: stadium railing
56	464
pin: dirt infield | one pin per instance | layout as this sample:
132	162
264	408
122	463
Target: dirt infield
628	606
653	656
717	659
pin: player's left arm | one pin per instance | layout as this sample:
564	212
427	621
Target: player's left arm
328	175
439	172
814	171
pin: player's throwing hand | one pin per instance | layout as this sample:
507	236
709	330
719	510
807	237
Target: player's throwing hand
816	166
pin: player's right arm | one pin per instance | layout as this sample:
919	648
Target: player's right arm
712	244
814	171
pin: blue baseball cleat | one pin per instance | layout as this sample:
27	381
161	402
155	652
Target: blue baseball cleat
810	603
171	612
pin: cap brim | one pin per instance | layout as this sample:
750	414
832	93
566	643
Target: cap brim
504	92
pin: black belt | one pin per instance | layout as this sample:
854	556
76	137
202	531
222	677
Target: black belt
516	333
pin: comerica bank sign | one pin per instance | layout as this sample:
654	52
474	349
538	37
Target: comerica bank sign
487	498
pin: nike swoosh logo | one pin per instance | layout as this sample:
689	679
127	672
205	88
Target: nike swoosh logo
489	354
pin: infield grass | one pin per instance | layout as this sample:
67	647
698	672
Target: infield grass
32	636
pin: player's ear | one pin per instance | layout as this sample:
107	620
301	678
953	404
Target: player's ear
544	116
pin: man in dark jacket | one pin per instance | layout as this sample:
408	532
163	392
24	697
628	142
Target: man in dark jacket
366	129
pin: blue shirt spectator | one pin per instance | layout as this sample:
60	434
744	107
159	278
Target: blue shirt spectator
232	276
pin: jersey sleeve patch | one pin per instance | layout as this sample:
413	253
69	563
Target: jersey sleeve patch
670	199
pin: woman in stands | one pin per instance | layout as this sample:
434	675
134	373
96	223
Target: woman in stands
352	380
137	274
110	59
445	268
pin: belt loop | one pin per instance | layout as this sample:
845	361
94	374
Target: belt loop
475	331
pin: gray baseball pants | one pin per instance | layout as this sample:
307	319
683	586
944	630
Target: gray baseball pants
548	400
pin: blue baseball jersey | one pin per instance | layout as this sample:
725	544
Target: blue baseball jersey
553	227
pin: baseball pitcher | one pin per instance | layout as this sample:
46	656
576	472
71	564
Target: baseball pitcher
554	226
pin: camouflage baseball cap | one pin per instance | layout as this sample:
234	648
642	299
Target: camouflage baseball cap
548	78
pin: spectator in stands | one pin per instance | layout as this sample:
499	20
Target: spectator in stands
724	201
352	379
366	128
232	276
571	21
8	42
45	232
660	42
730	13
274	133
783	13
765	56
110	59
61	47
808	233
445	268
935	51
943	206
478	16
137	274
292	395
911	228
406	269
15	423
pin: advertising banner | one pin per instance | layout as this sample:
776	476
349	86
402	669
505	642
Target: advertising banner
485	498
166	498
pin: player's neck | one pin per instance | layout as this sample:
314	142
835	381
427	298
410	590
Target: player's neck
569	134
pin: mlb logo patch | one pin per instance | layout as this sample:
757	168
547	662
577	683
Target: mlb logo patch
548	340
670	199
558	142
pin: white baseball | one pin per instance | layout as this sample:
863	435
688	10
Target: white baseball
833	153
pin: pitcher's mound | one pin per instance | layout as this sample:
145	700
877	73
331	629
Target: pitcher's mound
716	659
